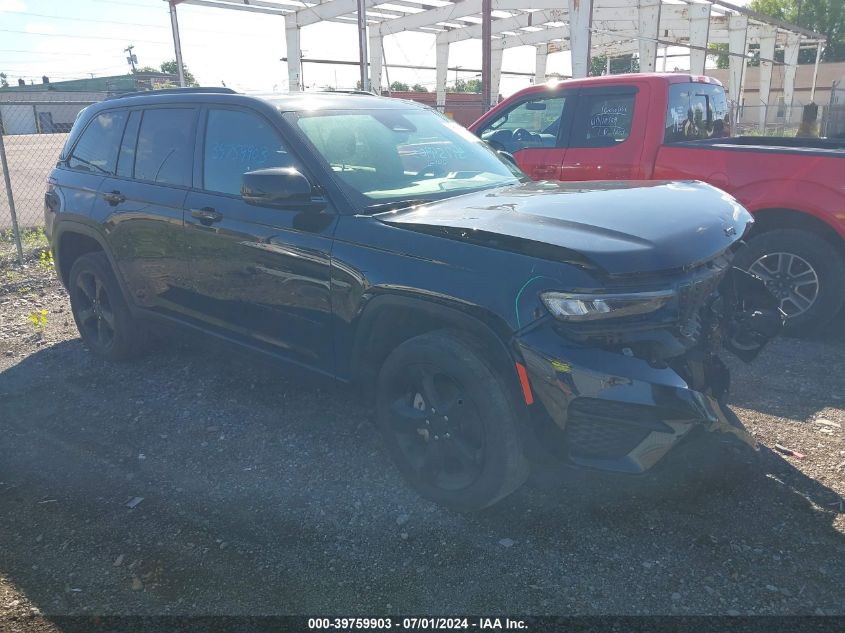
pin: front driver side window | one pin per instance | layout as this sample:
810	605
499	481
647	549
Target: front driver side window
237	142
530	124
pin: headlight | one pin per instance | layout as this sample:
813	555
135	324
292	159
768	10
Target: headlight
584	307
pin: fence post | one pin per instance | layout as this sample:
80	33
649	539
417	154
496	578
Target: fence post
8	180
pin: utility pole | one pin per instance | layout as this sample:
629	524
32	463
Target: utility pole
363	55
130	57
177	43
486	53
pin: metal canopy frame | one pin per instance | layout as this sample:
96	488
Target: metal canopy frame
606	27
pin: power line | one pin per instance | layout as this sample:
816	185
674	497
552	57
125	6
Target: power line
142	24
62	53
83	37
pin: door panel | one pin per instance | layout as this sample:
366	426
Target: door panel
142	207
608	128
259	274
145	227
262	274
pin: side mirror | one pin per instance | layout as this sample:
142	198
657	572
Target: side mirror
282	187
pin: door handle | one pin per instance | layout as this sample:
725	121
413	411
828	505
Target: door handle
545	171
206	215
114	198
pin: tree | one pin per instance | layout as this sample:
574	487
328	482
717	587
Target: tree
618	65
399	86
720	55
464	85
4	82
171	68
418	88
824	16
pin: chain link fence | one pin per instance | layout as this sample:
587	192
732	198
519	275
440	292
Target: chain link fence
781	120
33	130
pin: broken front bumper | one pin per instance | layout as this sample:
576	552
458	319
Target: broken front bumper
621	413
624	411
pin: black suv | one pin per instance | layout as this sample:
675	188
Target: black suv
373	240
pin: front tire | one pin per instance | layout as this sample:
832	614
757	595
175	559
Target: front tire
100	311
803	270
450	421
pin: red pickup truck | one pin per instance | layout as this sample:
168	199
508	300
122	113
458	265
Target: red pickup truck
677	127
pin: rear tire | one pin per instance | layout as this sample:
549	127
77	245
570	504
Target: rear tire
467	462
804	270
100	311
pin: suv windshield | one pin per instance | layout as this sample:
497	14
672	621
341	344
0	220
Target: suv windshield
385	156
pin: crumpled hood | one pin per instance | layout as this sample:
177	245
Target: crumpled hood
619	227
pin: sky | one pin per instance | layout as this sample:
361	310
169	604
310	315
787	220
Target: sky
69	39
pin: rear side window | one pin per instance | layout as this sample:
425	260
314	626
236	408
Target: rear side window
603	119
237	142
695	111
97	148
165	146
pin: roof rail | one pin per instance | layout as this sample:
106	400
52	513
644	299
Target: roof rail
174	91
352	92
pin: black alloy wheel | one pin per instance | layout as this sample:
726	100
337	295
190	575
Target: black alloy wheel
451	420
437	428
105	324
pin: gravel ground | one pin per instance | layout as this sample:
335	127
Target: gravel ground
266	494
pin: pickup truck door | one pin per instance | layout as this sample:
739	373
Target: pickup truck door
606	140
534	130
258	274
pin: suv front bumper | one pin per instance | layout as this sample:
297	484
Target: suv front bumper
619	413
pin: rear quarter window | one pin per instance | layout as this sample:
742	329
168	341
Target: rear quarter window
97	148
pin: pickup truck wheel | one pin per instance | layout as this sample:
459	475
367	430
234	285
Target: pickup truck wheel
804	271
102	317
450	422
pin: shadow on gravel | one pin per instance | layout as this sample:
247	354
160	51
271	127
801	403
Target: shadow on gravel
795	378
266	495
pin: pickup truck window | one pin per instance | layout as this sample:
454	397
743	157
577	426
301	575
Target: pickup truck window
696	110
97	148
602	119
530	124
237	142
387	155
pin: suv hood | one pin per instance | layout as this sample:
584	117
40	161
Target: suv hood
617	227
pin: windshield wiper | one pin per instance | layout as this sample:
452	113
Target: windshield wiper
394	205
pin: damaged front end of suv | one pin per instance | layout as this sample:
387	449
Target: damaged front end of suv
619	340
630	376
